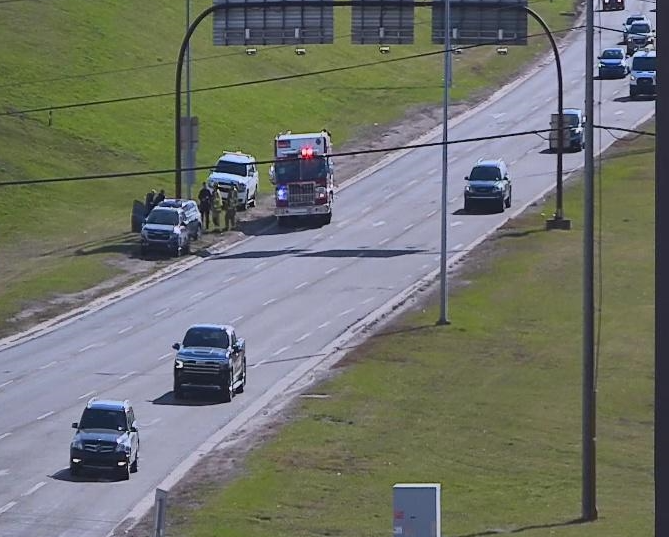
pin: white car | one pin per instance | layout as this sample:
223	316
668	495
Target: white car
240	169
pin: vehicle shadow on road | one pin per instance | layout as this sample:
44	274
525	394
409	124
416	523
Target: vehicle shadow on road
628	99
365	252
482	209
257	254
521	529
86	476
192	399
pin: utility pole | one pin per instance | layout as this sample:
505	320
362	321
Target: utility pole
443	299
189	127
589	391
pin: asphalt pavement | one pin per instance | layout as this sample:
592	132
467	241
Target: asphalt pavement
288	292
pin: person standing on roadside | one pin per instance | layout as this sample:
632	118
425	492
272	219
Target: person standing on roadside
216	208
159	198
231	211
149	202
205	198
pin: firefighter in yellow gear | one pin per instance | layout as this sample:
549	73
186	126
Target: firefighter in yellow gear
216	207
231	209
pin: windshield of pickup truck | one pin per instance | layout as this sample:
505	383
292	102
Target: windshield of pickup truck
233	168
640	28
206	337
646	63
97	418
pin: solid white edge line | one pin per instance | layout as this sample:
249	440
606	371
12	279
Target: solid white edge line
34	488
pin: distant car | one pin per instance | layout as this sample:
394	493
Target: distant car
107	438
165	229
192	215
635	17
210	356
613	5
643	73
613	63
489	183
239	169
639	35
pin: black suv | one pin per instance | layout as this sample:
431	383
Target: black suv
106	438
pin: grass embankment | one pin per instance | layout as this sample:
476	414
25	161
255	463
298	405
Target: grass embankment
51	46
490	407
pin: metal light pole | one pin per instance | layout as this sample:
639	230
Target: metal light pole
443	298
189	141
589	395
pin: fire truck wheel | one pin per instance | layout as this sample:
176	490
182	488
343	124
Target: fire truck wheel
327	219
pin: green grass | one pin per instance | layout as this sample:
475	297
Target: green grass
60	38
489	407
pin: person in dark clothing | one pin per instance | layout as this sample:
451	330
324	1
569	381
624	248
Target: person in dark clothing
205	198
231	208
159	198
149	202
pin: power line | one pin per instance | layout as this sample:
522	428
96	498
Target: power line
119	175
255	82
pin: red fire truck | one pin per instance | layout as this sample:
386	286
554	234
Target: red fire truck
613	5
303	176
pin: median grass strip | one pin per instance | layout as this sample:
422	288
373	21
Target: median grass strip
78	51
490	406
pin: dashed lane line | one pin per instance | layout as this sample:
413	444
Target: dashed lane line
161	312
6	383
45	415
34	488
126	329
323	325
330	271
166	355
127	375
346	312
7	507
282	349
236	319
302	337
4	435
379	223
268	302
45	366
86	395
301	285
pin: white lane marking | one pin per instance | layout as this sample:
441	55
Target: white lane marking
4	472
301	285
343	223
91	346
330	271
346	312
323	325
236	319
6	383
367	300
261	362
302	337
618	112
4	435
575	81
7	507
45	415
45	366
261	264
453	200
130	374
88	394
126	329
34	488
535	107
388	196
152	422
198	294
379	223
282	349
431	213
229	279
616	92
407	228
456	224
367	209
383	241
412	182
166	355
548	99
316	237
512	162
425	266
433	170
161	312
458	246
268	302
452	160
497	116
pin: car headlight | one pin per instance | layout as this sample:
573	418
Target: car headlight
632	77
77	444
468	188
499	188
122	447
600	65
241	187
178	364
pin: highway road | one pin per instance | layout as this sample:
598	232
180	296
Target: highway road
289	293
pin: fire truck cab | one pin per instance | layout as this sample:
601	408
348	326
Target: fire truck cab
303	176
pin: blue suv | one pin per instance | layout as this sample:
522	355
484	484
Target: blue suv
488	182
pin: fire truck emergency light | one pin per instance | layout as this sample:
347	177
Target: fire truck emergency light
307	152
